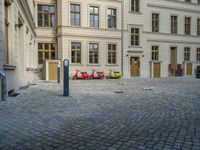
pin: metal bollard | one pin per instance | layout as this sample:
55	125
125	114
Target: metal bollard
66	77
58	73
3	84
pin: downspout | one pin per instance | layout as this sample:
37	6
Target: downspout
122	37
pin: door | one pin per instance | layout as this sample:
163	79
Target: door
135	66
189	69
53	70
156	70
173	60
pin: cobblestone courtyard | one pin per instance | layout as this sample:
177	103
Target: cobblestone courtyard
109	114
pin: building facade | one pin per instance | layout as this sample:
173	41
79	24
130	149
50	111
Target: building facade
161	38
17	43
140	38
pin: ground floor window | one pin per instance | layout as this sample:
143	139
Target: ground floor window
93	53
155	53
198	54
112	53
46	51
76	52
187	54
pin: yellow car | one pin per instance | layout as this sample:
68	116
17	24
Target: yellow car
114	75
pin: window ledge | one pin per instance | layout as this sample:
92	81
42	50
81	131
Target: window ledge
93	65
112	65
188	62
9	67
132	46
156	61
76	64
137	13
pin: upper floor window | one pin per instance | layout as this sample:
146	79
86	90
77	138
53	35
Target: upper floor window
155	22
187	25
198	27
174	24
155	53
112	18
198	54
94	16
76	52
46	51
187	54
112	53
75	12
135	5
46	16
135	36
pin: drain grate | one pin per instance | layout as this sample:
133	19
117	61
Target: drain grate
14	95
118	92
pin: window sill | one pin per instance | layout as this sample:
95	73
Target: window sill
9	67
46	28
112	65
156	61
93	65
132	46
76	64
133	12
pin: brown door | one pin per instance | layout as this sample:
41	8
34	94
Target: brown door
189	69
173	59
135	66
53	70
156	70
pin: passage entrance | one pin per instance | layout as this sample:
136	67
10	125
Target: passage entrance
135	66
53	70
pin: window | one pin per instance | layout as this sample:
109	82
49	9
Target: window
93	53
198	54
155	22
174	23
46	16
198	1
112	18
46	51
94	17
75	14
112	53
187	25
135	5
135	36
155	53
187	54
188	1
76	52
6	57
198	27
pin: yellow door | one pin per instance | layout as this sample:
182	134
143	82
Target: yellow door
173	60
189	69
53	71
156	70
135	67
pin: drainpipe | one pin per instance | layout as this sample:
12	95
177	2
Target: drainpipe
122	37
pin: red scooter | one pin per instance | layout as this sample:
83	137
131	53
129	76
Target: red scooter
80	75
96	75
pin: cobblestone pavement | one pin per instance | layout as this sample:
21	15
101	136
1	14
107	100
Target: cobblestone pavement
139	114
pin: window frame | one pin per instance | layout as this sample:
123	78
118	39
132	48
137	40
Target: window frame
110	53
93	53
76	52
74	12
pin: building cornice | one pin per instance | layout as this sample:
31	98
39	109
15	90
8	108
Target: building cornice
23	4
171	41
180	2
173	8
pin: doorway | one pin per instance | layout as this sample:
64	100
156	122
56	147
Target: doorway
173	61
135	66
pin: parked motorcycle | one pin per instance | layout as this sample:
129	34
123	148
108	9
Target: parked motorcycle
80	75
96	75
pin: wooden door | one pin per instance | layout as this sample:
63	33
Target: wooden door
173	59
135	66
189	69
156	70
53	70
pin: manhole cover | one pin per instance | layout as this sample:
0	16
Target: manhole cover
118	92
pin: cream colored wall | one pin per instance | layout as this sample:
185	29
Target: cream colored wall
21	49
164	38
1	34
84	34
